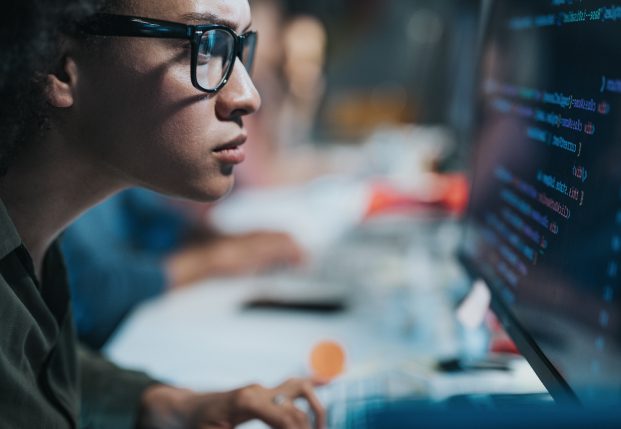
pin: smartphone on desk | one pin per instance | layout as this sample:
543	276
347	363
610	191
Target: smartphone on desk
259	303
298	295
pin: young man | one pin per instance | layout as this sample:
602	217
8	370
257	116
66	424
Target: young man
128	100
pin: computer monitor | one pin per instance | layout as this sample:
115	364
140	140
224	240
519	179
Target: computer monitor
544	226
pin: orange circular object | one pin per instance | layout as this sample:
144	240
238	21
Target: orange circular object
327	360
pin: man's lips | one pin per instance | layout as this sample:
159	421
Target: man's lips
231	152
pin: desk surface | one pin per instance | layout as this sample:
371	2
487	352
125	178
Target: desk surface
402	310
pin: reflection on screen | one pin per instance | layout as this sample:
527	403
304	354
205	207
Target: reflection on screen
545	224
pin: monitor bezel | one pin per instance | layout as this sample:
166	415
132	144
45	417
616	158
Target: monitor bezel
558	388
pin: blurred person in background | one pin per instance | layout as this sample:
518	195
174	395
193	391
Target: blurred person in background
138	245
290	76
305	43
269	18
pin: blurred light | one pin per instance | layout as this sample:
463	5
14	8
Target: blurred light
425	27
327	360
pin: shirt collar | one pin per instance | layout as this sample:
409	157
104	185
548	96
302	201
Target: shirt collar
9	238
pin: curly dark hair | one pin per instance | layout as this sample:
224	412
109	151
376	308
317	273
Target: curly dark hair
29	32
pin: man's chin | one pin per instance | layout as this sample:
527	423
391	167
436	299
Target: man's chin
214	191
203	191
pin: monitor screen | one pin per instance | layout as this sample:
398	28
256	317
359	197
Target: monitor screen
544	227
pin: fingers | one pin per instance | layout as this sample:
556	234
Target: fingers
275	406
284	415
318	381
291	417
309	394
261	251
272	250
304	388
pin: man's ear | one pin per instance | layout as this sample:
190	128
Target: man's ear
61	85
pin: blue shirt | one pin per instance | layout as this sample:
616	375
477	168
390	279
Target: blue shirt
114	256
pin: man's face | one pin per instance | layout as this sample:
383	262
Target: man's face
138	117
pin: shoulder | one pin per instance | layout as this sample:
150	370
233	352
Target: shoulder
9	238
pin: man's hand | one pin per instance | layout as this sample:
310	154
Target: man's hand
232	255
165	407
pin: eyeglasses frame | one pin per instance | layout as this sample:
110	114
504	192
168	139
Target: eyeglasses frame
103	24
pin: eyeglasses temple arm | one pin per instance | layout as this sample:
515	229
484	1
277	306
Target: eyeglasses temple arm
114	25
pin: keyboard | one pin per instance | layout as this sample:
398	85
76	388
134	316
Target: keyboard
348	400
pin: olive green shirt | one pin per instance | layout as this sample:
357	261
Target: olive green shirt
45	381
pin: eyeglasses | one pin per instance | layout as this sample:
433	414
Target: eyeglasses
214	47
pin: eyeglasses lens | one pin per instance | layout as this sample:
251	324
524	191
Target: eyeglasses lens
249	49
215	56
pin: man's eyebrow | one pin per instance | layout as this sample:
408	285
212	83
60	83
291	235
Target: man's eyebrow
209	18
